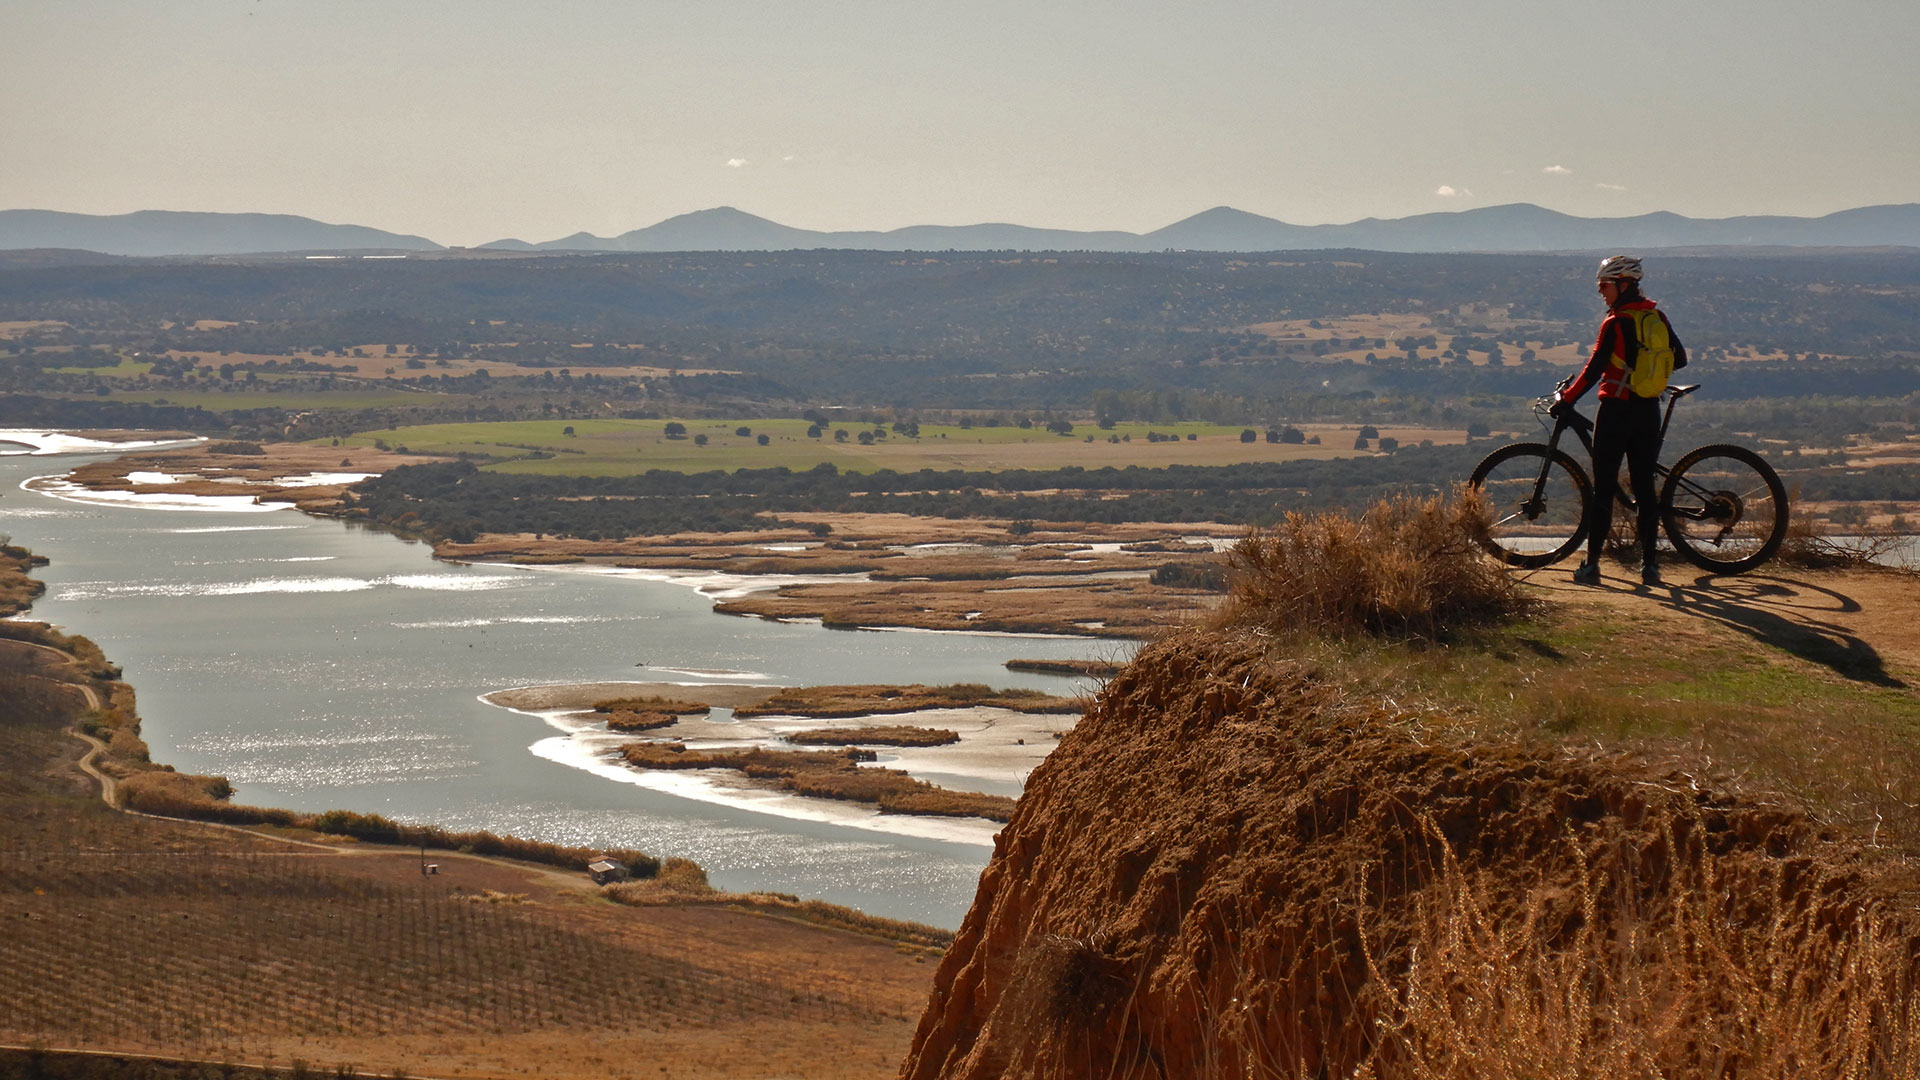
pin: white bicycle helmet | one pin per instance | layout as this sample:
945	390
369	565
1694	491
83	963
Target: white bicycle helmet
1618	266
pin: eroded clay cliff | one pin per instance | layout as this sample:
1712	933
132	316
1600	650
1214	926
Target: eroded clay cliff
1230	870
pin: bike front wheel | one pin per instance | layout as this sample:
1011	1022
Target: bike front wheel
1536	502
1724	508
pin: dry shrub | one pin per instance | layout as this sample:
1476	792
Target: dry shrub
630	720
1703	983
17	590
1811	544
127	747
683	875
165	792
681	881
1407	565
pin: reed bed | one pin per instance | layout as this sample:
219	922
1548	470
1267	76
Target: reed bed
824	774
843	701
1691	980
878	735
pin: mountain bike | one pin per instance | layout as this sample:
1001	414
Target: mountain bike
1722	506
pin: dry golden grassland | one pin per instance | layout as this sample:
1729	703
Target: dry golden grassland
1391	327
23	327
1902	451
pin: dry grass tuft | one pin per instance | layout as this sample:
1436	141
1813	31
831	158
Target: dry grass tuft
1811	545
1701	982
1406	566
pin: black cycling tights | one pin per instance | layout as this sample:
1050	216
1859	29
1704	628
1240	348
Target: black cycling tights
1624	428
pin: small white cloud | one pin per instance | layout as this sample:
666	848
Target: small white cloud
1448	191
736	163
1611	187
1557	170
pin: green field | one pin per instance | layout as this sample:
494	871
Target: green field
626	447
125	369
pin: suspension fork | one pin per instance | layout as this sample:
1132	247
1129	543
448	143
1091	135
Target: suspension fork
1535	505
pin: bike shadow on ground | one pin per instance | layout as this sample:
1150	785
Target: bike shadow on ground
1785	613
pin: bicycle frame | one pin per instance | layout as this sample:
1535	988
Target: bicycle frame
1582	427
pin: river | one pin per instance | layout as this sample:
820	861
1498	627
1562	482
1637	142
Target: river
318	664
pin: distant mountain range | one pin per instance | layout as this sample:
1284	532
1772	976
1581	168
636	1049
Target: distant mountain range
1520	227
175	232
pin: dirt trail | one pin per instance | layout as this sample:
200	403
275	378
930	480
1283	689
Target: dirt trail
1862	625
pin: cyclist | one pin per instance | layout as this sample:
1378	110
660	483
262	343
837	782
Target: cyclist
1634	354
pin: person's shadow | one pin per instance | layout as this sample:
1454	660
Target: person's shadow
1784	613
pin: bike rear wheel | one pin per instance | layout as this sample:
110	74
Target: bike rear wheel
1724	508
1537	503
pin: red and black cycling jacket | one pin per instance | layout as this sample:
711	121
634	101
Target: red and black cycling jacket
1614	352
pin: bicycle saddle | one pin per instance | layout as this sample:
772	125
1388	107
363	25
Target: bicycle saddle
1682	391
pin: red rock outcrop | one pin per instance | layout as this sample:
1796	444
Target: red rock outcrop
1228	870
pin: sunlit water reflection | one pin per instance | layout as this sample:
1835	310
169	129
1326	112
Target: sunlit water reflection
319	665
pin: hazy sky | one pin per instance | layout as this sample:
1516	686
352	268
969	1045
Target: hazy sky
475	120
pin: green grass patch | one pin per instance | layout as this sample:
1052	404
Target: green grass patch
1784	718
125	369
629	447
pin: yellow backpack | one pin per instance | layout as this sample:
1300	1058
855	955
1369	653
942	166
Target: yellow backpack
1654	365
